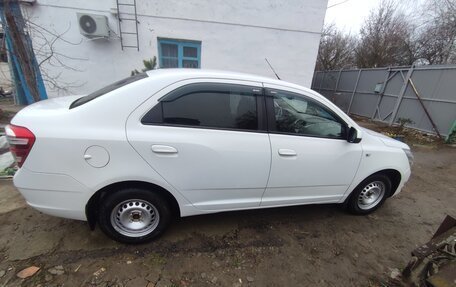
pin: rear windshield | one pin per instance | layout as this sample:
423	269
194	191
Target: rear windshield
107	89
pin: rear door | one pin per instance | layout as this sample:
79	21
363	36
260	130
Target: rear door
208	139
311	160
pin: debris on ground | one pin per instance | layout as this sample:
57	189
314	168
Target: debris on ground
7	162
28	272
57	270
99	272
434	263
395	274
77	268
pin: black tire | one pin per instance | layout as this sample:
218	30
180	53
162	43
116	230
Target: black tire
145	200
355	205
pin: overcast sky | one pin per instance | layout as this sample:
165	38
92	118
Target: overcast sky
349	16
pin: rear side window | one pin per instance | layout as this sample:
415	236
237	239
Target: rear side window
107	89
223	106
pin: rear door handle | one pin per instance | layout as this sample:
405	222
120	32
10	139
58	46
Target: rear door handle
287	152
164	149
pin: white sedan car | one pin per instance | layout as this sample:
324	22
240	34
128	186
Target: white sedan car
179	142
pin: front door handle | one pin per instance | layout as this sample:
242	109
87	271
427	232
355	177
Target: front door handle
287	152
164	149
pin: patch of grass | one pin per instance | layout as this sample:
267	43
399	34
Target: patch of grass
154	259
237	262
10	171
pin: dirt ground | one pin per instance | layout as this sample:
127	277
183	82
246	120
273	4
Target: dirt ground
317	245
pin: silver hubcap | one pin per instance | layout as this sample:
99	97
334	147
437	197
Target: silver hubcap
135	218
371	195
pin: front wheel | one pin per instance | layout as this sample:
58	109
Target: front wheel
369	194
134	215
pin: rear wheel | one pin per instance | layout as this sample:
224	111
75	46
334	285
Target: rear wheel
369	194
134	215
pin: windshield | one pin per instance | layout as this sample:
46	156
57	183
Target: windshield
107	89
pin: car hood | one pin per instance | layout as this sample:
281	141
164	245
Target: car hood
390	142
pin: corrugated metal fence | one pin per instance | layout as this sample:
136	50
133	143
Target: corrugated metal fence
387	94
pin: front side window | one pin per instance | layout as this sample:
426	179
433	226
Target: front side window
207	105
179	53
298	115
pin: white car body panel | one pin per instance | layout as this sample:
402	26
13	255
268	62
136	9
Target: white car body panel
321	170
213	170
377	156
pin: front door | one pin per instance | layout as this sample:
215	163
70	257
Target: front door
311	160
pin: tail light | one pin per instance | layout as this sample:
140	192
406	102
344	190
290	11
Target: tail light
21	141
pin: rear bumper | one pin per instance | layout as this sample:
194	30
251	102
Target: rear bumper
54	194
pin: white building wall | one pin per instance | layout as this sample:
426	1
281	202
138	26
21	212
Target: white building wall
235	35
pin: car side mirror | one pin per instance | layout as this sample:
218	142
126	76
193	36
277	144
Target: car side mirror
352	136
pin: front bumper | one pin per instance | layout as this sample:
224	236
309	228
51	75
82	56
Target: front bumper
54	194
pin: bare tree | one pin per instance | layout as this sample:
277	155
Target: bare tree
47	55
336	49
436	40
386	39
395	33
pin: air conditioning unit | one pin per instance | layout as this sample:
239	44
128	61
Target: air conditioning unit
93	26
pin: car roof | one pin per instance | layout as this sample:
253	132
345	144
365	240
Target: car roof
184	73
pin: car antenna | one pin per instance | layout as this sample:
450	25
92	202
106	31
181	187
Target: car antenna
272	68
